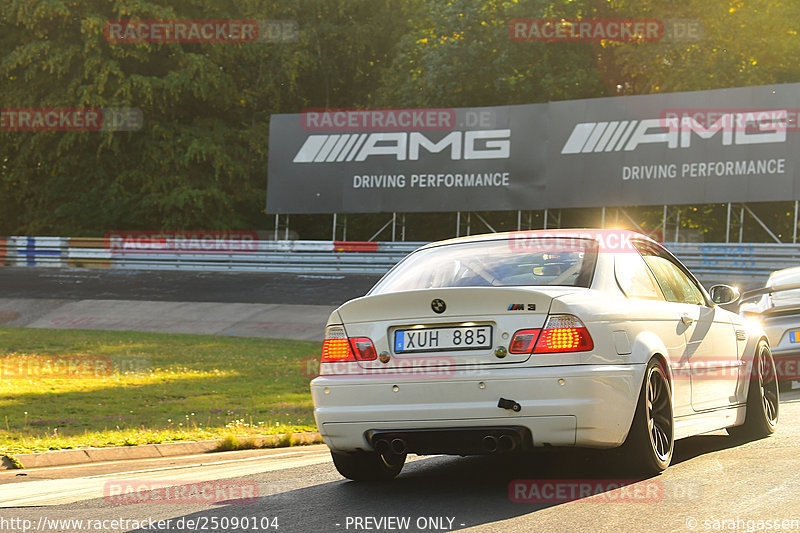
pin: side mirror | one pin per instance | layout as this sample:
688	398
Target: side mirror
724	294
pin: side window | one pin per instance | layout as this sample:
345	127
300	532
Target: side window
674	283
634	278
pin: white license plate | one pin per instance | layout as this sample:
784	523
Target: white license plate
439	339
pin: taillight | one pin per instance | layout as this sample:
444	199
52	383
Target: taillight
564	333
363	348
523	341
335	347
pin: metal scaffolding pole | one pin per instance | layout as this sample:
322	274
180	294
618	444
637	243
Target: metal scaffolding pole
741	223
728	225
278	227
489	226
762	224
634	223
391	221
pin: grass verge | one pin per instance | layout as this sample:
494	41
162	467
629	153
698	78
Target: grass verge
62	389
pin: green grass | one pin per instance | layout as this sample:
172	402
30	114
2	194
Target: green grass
128	388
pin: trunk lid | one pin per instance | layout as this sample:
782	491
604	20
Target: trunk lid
475	322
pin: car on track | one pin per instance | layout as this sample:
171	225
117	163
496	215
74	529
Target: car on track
509	342
777	308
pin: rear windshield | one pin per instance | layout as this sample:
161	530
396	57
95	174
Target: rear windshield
500	263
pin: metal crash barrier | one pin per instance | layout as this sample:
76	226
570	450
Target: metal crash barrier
744	264
320	257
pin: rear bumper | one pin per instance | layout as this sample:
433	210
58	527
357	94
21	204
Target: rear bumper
579	405
787	362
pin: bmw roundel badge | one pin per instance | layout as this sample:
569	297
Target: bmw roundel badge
438	306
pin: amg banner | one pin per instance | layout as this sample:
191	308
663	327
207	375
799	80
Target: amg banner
727	145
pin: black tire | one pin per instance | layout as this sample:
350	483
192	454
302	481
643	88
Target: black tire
763	400
650	442
368	466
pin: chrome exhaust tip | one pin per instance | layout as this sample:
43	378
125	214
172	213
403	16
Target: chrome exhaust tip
381	446
398	446
506	443
490	443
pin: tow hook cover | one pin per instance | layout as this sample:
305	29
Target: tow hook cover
509	404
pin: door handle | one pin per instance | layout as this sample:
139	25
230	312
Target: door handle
687	320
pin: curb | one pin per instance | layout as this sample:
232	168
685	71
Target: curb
152	451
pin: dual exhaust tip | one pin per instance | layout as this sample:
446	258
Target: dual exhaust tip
395	446
491	444
503	443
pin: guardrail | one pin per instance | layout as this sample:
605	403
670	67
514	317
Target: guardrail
745	264
321	257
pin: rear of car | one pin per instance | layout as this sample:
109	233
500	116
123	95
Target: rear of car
476	346
777	308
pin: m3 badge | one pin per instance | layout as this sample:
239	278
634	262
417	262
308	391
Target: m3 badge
521	307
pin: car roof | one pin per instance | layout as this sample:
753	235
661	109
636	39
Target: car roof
597	234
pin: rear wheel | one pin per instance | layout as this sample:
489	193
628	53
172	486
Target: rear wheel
648	448
761	416
368	466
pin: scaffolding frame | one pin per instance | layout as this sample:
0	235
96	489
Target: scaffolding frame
669	229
